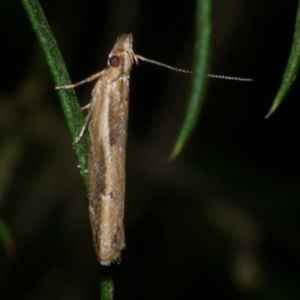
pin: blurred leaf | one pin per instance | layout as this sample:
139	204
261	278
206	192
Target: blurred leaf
291	69
7	239
200	72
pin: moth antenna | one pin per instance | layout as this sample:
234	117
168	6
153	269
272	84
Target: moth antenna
162	65
229	77
136	57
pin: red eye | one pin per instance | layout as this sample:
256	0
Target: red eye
114	61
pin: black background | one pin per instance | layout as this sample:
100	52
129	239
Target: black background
221	221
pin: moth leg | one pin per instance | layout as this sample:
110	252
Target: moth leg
83	128
86	106
91	78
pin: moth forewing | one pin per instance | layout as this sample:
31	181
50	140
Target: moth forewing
107	125
106	163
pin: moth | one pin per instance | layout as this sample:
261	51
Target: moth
106	121
107	126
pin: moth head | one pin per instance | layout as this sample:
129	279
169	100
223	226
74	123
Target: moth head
122	56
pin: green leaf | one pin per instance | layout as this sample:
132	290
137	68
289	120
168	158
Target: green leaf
197	94
291	69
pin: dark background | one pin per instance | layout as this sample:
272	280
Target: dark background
219	222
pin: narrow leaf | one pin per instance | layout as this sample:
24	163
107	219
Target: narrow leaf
291	69
197	94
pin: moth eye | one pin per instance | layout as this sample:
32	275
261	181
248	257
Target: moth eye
114	61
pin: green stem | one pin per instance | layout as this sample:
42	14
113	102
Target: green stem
69	103
106	283
68	99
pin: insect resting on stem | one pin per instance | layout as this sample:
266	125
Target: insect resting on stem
106	121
